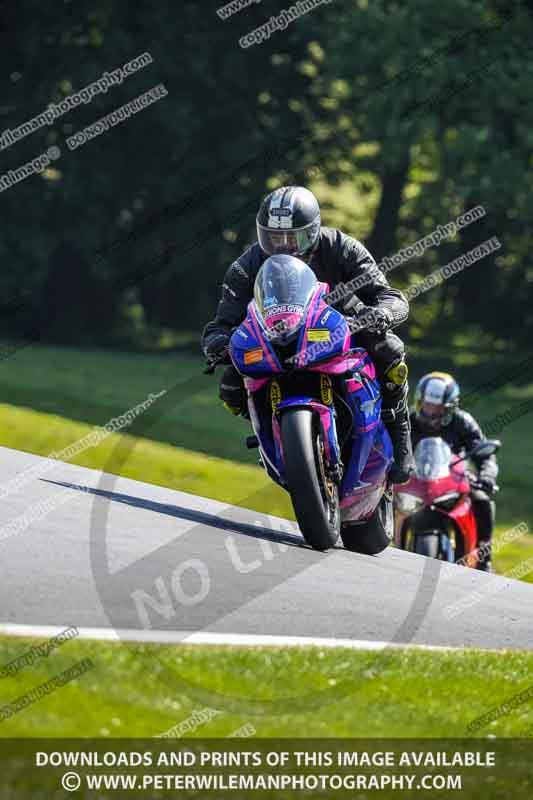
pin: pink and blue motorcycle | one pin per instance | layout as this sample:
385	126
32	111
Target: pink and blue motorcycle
314	404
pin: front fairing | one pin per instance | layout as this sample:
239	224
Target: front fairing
251	352
428	490
459	475
437	472
323	337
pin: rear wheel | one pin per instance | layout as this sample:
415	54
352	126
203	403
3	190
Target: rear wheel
373	535
314	496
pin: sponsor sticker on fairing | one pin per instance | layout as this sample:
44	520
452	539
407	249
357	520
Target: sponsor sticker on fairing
318	335
275	394
253	356
325	390
283	309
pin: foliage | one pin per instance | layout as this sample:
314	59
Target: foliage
415	112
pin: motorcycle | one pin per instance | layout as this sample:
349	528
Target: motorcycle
314	404
433	511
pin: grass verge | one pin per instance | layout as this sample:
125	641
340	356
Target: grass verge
134	690
145	460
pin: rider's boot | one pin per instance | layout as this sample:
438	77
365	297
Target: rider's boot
485	561
396	417
485	512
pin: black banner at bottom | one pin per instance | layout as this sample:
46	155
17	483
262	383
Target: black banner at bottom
266	768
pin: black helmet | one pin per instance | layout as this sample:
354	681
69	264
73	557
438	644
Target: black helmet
436	398
288	222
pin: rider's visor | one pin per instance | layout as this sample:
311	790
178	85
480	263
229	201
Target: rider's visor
433	415
291	242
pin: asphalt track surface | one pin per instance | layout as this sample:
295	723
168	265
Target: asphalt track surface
97	551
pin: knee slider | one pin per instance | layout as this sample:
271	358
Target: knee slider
397	373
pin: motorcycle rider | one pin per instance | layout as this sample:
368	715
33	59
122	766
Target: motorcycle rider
437	413
288	222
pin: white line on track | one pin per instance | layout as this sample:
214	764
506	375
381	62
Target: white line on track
206	638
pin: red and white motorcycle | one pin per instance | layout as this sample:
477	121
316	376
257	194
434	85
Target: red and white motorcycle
433	512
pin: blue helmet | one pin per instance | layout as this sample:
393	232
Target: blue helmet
436	398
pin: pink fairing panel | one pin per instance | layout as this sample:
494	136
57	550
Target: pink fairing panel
353	385
256	327
316	307
314	311
361	505
457	473
254	384
286	320
370	371
336	365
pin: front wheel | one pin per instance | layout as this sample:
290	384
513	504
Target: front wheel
435	544
315	498
427	544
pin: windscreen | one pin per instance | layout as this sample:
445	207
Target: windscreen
283	289
432	459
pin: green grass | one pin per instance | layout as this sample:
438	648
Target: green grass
145	460
146	690
93	386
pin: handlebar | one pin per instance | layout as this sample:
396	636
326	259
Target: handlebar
477	484
353	324
362	318
354	311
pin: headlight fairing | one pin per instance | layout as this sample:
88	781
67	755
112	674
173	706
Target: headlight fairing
408	503
447	501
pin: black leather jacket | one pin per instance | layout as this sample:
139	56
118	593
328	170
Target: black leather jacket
337	259
461	434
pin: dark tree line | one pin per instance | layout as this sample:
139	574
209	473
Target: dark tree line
409	113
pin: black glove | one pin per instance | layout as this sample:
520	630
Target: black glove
373	319
216	346
488	485
349	305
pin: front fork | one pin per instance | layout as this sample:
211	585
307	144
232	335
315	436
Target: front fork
326	415
402	529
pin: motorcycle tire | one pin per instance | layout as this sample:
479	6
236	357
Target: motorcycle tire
315	499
